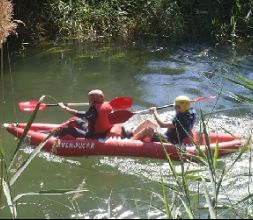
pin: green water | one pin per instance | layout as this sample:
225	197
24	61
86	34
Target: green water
153	75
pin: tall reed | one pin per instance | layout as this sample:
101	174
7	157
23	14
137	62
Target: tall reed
8	180
7	25
197	191
211	176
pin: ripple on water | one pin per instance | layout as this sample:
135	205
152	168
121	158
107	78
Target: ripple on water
237	183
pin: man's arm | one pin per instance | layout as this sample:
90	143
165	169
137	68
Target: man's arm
91	114
160	122
66	108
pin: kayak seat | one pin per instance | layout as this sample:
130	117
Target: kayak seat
115	131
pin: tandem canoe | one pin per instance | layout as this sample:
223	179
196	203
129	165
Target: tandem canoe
116	146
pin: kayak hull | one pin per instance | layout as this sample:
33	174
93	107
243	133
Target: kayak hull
115	146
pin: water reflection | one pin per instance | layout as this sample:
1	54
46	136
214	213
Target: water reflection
153	76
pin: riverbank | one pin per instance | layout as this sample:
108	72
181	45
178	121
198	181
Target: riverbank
220	21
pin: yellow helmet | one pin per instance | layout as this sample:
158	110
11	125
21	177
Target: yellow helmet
183	103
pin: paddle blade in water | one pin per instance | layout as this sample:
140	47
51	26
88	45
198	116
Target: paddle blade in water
30	106
121	102
120	116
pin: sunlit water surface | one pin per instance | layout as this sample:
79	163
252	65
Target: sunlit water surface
153	75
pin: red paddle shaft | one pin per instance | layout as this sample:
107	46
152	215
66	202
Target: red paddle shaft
122	102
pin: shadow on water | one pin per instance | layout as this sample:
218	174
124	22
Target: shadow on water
153	76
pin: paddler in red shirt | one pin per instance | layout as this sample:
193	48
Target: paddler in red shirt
93	123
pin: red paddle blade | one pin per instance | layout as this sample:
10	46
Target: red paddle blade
121	102
120	116
30	106
203	98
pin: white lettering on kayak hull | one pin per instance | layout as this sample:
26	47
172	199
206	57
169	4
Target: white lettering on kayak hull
76	145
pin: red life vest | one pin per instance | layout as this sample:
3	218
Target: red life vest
102	124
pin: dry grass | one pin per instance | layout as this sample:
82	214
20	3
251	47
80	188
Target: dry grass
7	25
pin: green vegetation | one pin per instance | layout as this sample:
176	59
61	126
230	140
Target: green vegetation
198	192
229	20
187	192
8	178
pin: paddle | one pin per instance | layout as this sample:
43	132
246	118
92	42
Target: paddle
122	102
123	115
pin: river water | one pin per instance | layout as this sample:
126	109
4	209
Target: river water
153	74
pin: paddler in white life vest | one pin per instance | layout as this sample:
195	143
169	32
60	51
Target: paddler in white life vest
179	130
96	116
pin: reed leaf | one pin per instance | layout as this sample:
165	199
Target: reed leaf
172	187
208	201
28	160
187	209
241	152
247	86
188	172
250	196
186	188
1	173
32	118
5	187
219	182
182	186
196	178
208	155
165	200
242	78
199	159
172	167
8	195
244	98
53	192
216	155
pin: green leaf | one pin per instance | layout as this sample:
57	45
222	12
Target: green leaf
215	156
208	201
247	86
53	192
196	178
242	78
8	196
29	159
32	118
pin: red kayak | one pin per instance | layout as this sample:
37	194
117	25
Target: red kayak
115	146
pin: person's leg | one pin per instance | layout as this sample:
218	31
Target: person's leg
75	127
74	132
144	133
143	125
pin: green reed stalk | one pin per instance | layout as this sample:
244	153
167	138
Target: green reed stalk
6	183
165	199
1	174
182	187
210	186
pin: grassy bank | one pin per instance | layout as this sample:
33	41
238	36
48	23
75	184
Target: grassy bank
173	19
